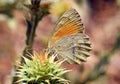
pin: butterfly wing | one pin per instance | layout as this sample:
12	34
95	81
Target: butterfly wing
69	23
69	40
74	48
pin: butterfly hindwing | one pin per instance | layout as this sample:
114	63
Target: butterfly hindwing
73	47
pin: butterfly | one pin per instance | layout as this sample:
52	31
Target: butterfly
69	40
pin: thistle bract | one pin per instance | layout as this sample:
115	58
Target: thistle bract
41	70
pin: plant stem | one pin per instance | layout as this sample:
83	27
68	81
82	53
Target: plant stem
31	34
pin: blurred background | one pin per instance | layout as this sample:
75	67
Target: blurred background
101	19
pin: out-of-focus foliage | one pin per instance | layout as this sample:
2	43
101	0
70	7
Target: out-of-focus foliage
6	2
7	5
117	44
118	3
59	7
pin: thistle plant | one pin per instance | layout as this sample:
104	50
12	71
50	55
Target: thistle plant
42	69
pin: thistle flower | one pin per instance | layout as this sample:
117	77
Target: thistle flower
41	70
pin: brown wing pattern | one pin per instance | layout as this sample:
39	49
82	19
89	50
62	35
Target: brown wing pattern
74	48
69	40
68	24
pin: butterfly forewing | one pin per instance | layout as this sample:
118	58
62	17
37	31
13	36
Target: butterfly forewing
69	23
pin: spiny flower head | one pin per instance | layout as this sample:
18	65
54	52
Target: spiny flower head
41	70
